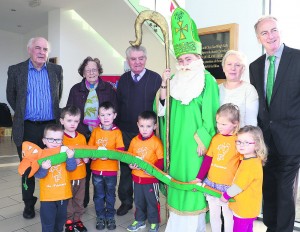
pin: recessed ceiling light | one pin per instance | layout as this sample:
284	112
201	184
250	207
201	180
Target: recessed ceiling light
34	3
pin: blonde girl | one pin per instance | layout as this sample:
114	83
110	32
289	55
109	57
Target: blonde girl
247	184
220	165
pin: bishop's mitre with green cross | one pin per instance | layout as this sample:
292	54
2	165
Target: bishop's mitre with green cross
184	34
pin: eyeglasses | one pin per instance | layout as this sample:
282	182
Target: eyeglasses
52	140
91	70
239	143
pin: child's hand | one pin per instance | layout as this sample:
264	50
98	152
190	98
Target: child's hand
102	148
78	161
195	181
70	153
223	199
46	164
63	148
86	160
200	151
134	166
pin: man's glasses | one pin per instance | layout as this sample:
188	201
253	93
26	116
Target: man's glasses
238	142
52	140
91	70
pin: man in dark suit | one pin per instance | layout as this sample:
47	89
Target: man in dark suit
136	93
279	118
34	88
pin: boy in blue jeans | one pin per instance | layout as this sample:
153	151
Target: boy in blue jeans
55	185
104	170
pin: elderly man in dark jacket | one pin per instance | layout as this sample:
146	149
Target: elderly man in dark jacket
34	88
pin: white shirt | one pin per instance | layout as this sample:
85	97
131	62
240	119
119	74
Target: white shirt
246	98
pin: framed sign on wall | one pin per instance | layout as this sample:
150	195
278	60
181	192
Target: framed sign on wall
216	41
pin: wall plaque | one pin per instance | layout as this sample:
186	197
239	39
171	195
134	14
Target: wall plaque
216	41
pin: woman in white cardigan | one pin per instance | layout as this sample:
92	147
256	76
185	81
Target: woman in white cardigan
235	90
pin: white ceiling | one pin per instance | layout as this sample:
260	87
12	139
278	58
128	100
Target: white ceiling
112	19
26	18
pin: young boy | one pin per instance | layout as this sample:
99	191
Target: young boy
55	186
146	187
70	118
105	171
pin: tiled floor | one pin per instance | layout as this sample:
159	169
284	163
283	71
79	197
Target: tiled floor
11	205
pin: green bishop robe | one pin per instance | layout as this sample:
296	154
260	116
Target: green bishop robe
198	117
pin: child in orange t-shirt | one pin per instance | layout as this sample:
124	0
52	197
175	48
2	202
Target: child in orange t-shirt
146	187
55	186
247	184
104	170
70	118
220	164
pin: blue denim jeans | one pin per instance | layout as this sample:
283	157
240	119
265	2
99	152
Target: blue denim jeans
105	195
53	215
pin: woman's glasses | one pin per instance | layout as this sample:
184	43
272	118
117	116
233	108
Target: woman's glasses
91	71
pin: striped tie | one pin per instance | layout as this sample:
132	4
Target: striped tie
135	78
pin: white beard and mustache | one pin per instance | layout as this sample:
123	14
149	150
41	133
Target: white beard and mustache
188	82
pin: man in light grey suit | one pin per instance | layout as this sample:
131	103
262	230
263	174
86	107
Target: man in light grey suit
34	88
279	119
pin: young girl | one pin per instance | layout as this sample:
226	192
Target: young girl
221	163
247	184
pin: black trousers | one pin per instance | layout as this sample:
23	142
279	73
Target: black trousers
146	200
278	190
33	132
87	184
87	177
125	189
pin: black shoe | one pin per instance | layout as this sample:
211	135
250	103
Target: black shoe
123	209
100	224
111	224
29	212
79	227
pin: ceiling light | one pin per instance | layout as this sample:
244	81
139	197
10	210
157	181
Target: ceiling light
34	3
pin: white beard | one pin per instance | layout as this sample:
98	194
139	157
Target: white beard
188	82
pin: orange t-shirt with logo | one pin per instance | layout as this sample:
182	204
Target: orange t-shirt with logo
80	171
110	139
225	159
56	184
150	150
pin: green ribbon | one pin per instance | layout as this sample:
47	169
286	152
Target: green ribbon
130	159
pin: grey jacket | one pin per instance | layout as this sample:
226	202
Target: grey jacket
16	93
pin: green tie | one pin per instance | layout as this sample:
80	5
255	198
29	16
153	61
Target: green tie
271	76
